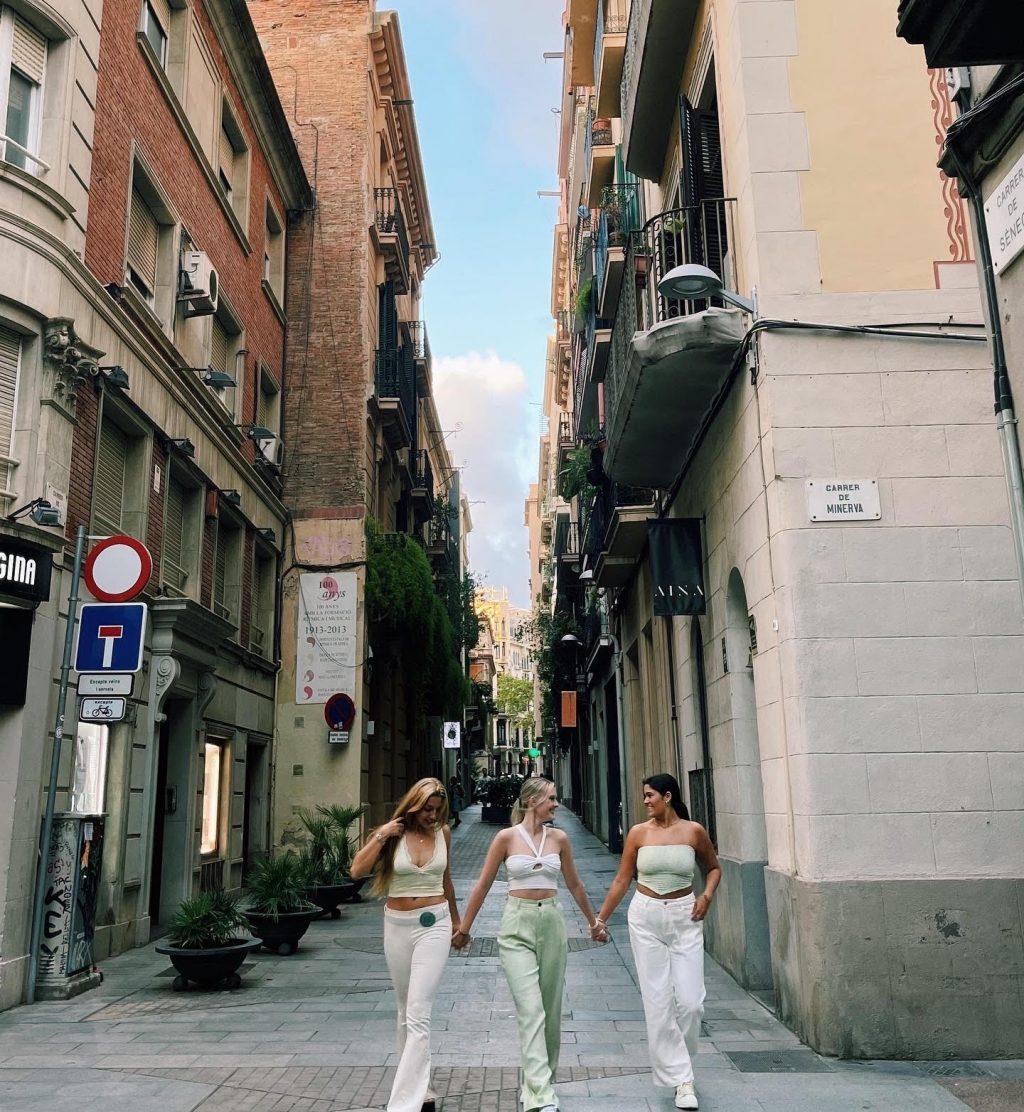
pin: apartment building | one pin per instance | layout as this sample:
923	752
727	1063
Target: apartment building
147	181
788	552
369	453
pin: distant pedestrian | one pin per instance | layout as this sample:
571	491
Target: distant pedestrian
666	928
455	801
532	941
409	857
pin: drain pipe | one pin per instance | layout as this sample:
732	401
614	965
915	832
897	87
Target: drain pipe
1006	419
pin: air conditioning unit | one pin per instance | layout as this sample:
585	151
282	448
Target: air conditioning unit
200	284
271	451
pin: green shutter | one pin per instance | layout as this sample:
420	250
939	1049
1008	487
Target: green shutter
108	495
10	358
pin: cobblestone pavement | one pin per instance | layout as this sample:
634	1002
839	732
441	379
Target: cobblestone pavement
314	1033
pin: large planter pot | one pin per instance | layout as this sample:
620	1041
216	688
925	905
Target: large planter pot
327	897
209	967
282	932
495	814
352	890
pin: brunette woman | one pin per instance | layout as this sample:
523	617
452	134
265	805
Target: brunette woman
532	940
409	859
666	928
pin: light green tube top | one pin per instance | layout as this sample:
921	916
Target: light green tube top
665	869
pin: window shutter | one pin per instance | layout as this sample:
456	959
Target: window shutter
143	240
108	496
28	51
174	525
220	569
261	406
227	159
219	343
162	10
257	632
10	357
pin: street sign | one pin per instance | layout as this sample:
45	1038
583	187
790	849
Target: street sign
102	710
340	712
338	737
117	569
843	500
452	736
105	683
110	637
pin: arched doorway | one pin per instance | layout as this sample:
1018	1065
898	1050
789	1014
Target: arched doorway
741	931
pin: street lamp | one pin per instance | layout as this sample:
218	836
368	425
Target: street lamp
693	282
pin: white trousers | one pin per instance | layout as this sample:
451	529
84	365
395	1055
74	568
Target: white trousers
668	948
416	957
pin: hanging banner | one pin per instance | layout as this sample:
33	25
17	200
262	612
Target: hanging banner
568	720
326	651
677	568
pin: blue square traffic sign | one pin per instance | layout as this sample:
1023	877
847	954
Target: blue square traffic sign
110	637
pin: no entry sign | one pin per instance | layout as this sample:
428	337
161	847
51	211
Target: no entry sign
118	569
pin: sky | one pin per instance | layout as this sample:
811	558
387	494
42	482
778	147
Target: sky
483	97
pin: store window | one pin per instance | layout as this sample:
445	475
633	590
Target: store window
213	761
89	778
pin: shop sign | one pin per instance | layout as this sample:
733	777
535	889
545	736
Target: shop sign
24	570
677	567
1004	217
326	636
451	736
843	500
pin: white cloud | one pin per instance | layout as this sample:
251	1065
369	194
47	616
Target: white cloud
489	397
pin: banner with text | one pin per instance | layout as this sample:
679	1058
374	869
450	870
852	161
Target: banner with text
677	569
325	659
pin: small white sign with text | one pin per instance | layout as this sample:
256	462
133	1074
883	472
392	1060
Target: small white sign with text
843	500
1004	217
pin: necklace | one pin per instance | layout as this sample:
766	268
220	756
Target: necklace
667	825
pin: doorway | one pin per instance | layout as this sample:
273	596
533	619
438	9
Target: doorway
256	803
172	853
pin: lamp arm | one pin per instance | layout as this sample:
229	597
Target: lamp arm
745	303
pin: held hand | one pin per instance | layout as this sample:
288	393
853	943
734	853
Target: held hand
599	933
701	905
460	940
393	829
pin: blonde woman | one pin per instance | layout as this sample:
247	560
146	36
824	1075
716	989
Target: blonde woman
409	859
532	942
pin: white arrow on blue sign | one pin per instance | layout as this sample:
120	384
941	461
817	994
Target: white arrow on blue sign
110	637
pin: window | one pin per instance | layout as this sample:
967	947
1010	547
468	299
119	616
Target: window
224	348
10	360
108	496
151	256
261	620
268	403
179	556
226	569
213	760
273	254
233	164
22	67
143	247
155	24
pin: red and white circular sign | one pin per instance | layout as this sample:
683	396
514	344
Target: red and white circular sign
118	569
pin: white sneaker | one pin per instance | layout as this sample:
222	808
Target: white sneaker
685	1096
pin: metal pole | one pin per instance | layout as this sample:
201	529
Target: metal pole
51	796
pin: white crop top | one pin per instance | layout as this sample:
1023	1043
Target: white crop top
535	869
410	879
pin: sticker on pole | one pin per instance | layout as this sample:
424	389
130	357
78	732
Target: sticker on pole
118	569
110	637
102	710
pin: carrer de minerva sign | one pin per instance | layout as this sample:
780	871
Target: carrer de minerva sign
843	500
1004	218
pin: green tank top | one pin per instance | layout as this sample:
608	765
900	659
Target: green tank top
665	869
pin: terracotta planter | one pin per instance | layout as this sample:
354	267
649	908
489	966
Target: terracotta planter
209	967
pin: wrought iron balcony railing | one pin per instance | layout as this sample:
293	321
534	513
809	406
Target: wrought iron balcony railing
389	218
620	215
612	19
396	379
419	338
608	498
423	473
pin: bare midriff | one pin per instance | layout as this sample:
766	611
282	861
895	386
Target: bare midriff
533	894
644	891
413	903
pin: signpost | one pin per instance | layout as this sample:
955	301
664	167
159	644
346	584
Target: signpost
118	569
102	710
110	637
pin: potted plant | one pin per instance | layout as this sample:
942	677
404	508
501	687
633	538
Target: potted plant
204	942
279	913
498	794
327	855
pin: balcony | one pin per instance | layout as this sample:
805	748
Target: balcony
422	493
620	216
609	48
395	395
391	238
599	153
657	44
616	532
442	544
420	342
961	32
566	439
669	358
567	542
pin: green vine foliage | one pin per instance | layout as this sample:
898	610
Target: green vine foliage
554	671
405	609
573	479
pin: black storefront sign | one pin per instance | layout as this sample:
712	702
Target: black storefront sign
24	570
677	568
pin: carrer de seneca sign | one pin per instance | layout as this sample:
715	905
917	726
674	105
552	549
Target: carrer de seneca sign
1004	217
24	570
843	500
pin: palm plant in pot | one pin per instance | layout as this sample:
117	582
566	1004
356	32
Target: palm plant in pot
327	855
205	942
279	913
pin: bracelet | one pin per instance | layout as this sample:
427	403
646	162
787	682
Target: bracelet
376	834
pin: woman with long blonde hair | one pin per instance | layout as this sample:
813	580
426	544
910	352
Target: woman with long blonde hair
532	942
408	858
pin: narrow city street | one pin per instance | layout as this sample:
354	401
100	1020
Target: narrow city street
314	1033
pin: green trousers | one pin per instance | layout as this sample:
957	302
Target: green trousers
533	950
